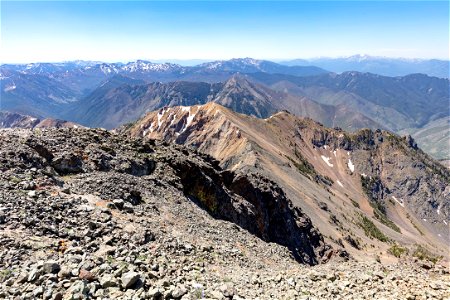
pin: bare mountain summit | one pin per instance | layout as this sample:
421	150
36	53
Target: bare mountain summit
15	120
352	185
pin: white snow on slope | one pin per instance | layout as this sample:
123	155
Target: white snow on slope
340	183
327	160
399	201
188	120
351	166
160	115
173	118
10	88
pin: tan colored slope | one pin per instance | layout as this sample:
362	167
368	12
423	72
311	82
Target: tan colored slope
55	123
274	147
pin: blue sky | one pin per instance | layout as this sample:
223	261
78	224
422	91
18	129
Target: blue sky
125	30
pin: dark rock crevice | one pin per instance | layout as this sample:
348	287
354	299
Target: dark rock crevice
255	204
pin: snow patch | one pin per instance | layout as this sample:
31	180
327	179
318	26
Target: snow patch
438	210
348	153
160	115
340	183
173	119
151	127
10	88
424	220
402	204
363	175
351	166
444	222
75	126
325	147
327	160
188	120
334	152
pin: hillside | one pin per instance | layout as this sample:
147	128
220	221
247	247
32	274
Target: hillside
379	65
434	137
110	94
14	120
400	104
338	179
89	214
113	105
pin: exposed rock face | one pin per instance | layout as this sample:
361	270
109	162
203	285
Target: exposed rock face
259	206
367	173
252	202
15	120
10	120
103	231
395	169
278	220
89	153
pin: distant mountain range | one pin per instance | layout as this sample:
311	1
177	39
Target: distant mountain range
108	95
378	65
83	76
110	105
395	102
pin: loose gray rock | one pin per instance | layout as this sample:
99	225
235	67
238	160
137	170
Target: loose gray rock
107	281
179	291
129	279
51	267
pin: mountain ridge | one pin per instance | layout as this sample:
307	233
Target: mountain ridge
15	120
381	65
351	100
308	160
148	219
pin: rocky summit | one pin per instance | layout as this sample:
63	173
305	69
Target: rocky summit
90	214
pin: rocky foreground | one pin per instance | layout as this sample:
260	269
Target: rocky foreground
86	214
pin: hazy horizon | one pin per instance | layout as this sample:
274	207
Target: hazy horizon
195	61
122	31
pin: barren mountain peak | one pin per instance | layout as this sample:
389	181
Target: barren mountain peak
360	169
